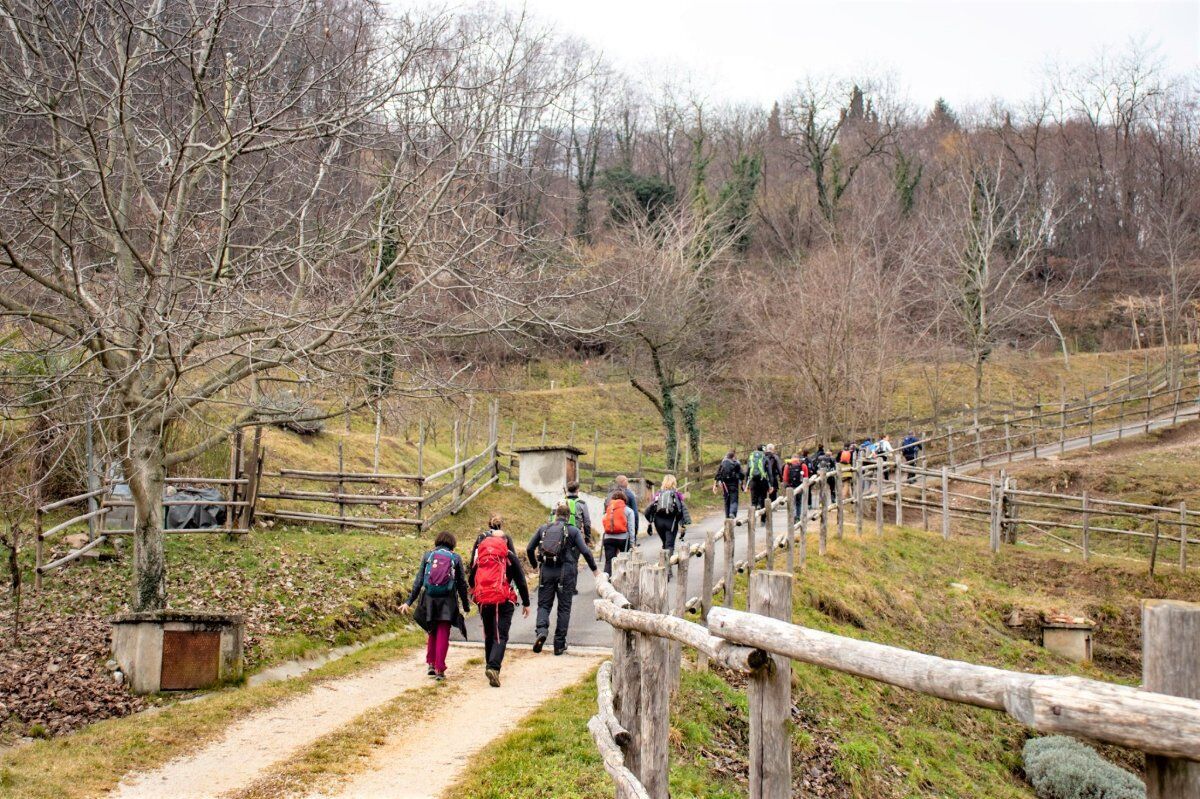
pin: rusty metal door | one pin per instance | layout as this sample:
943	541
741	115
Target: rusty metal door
190	659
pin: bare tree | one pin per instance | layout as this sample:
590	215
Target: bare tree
679	326
989	271
194	198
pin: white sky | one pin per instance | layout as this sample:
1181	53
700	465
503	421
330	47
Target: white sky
967	51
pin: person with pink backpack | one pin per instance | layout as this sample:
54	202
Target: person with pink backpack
437	582
494	571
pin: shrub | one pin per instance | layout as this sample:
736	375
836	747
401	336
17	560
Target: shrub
284	409
1059	767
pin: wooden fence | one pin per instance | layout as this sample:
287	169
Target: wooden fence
426	498
632	726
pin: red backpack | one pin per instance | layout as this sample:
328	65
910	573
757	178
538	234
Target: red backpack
614	518
491	573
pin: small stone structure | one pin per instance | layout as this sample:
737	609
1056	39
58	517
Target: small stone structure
174	650
1068	636
546	470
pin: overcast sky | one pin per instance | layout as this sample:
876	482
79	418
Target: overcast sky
967	51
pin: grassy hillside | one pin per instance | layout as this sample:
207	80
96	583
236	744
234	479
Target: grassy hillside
856	738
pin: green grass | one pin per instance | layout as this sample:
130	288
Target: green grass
89	762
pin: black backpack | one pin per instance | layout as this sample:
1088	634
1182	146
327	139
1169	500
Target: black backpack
725	472
553	546
667	503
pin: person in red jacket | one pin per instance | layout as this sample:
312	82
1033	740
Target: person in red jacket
494	572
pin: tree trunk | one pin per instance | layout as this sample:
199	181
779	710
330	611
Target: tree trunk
979	358
670	437
146	475
691	412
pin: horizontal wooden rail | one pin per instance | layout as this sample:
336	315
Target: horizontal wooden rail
1153	723
71	500
72	555
736	658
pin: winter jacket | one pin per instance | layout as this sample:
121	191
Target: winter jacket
668	521
730	473
433	609
573	548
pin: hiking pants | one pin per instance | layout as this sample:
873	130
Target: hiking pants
667	533
612	548
731	500
497	619
758	492
557	583
437	645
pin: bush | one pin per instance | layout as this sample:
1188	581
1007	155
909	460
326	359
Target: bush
1059	767
288	411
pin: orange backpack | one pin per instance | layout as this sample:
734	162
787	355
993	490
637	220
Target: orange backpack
614	518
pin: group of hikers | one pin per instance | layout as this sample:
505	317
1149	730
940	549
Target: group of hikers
765	471
494	580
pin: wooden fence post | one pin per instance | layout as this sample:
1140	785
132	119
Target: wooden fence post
38	546
924	494
839	503
1154	547
675	651
750	542
1171	665
806	493
341	486
1008	438
823	498
1091	424
993	513
790	515
769	525
900	489
945	503
1087	525
730	573
1009	511
421	474
770	697
879	497
595	458
857	476
706	587
978	439
543	432
1148	400
1183	537
950	445
628	699
654	721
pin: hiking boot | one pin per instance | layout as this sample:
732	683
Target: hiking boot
432	671
493	677
559	650
539	643
440	676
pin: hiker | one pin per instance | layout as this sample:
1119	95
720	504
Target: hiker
622	483
618	527
884	452
495	522
794	473
824	463
774	471
494	571
758	478
668	514
578	516
439	578
911	447
728	480
845	461
807	461
554	550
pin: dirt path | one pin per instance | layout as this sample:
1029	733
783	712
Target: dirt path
413	762
422	760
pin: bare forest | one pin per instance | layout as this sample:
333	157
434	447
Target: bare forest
203	208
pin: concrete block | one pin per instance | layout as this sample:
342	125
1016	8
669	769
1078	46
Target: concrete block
178	650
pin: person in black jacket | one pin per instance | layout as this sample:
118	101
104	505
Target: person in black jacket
493	593
729	479
774	471
437	614
554	550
